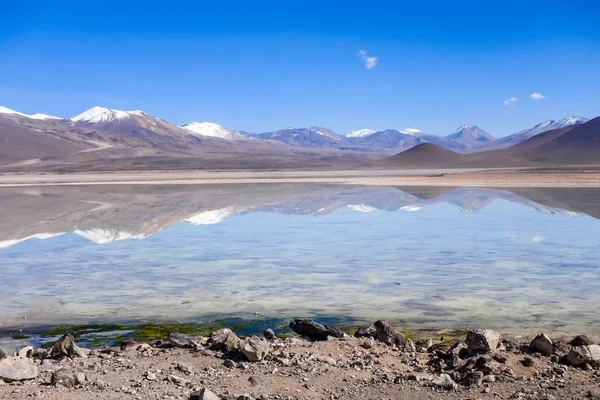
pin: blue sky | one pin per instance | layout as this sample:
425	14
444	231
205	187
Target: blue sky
261	66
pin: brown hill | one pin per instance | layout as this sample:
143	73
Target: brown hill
580	145
424	155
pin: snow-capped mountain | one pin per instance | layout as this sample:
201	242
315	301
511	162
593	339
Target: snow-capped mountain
525	134
102	115
306	137
4	110
361	133
471	134
411	131
211	130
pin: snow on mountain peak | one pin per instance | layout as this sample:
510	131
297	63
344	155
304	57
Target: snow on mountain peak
100	115
209	129
4	110
410	131
361	133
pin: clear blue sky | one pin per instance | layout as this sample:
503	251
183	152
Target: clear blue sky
261	66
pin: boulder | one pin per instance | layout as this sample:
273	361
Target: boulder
66	347
224	340
315	331
63	377
473	378
388	335
366	332
185	368
204	394
254	348
482	340
26	352
179	381
3	353
444	381
268	334
185	341
581	355
543	344
581	340
17	369
80	378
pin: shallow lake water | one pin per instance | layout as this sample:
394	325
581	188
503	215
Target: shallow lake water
518	260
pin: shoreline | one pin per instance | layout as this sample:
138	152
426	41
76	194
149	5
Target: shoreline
316	361
470	177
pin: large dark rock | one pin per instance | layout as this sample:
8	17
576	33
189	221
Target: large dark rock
543	344
482	340
388	335
366	332
581	340
581	355
315	331
66	347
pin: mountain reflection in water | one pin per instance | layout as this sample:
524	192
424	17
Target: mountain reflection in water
519	259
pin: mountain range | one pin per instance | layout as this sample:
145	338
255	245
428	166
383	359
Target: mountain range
577	144
104	138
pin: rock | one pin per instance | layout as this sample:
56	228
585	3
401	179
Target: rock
482	340
185	341
367	343
204	394
63	377
388	335
473	378
255	380
543	344
419	377
254	348
488	365
444	381
185	368
409	346
423	345
224	340
315	331
127	344
229	363
3	353
17	369
268	334
366	332
26	352
79	378
179	381
581	340
581	355
66	347
151	376
527	362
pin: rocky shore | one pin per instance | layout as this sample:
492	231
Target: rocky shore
316	362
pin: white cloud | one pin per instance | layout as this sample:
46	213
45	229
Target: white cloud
537	96
538	239
370	62
510	101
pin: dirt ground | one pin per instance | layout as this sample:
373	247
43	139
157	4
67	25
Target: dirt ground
465	177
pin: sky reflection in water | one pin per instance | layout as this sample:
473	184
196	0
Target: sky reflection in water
466	257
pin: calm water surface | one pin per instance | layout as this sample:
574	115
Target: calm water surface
517	260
